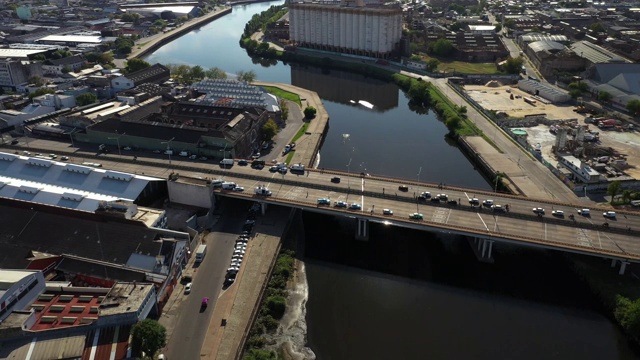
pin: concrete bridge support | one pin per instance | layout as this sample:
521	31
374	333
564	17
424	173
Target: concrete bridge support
362	229
623	265
483	248
263	207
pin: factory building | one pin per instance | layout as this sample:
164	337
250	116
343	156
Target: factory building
358	30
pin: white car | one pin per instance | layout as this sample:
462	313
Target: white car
538	210
127	148
193	157
497	208
238	251
233	268
387	212
609	214
487	202
187	288
584	212
558	213
238	188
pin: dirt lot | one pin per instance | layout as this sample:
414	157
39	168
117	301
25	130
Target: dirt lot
498	99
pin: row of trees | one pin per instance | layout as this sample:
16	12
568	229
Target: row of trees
260	21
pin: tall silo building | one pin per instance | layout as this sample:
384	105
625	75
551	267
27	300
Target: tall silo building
347	27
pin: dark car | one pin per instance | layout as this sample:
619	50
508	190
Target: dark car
14	141
335	180
243	162
404	188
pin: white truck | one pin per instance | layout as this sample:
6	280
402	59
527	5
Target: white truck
201	252
226	162
263	191
297	167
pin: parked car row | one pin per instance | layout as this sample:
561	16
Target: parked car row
240	246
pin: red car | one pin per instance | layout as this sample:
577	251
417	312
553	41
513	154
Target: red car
205	302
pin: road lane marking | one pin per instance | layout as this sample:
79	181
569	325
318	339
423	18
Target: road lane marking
483	223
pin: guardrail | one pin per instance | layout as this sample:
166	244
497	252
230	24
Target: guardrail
466	230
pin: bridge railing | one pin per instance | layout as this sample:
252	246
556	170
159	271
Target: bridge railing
466	230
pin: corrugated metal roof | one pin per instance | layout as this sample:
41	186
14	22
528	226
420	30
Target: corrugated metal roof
539	37
547	45
594	53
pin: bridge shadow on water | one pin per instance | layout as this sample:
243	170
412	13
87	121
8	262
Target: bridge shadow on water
519	272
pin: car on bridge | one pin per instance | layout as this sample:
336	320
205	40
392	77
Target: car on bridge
340	204
323	201
488	203
404	188
558	213
187	288
355	206
274	168
243	162
497	208
584	212
205	303
538	210
238	188
609	214
387	212
424	195
416	216
335	180
474	201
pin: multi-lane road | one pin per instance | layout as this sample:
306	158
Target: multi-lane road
583	234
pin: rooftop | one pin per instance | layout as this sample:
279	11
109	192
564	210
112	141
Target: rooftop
95	39
19	53
595	54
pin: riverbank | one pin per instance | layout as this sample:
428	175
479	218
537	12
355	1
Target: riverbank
143	46
307	146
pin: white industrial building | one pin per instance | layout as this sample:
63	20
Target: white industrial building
368	31
18	288
542	90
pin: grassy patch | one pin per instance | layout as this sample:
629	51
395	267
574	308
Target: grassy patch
298	135
283	94
448	65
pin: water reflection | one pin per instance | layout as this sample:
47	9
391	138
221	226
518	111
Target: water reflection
346	88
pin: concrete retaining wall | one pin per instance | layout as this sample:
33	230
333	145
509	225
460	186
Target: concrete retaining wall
189	194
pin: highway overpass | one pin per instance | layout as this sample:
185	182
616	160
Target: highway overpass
584	235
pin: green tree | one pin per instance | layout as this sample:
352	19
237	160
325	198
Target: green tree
453	122
627	313
419	93
160	23
498	28
457	26
442	47
432	64
130	17
247	76
513	65
575	93
147	337
634	106
40	92
604	96
86	99
269	130
597	27
614	189
276	305
260	354
284	109
310	112
136	64
579	85
196	73
216	73
509	23
37	81
457	8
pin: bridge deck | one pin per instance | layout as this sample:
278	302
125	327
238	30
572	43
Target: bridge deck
585	234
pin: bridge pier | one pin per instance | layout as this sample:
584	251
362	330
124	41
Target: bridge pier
263	207
483	248
362	229
623	265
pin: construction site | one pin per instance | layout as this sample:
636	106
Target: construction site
582	146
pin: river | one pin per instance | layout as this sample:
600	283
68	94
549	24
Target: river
408	295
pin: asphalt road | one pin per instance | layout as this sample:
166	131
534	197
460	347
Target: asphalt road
192	324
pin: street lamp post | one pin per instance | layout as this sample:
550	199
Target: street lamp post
495	189
349	174
418	192
117	138
168	148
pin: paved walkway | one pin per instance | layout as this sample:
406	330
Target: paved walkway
238	302
309	144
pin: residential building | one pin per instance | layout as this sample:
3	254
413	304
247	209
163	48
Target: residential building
60	66
16	72
18	289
